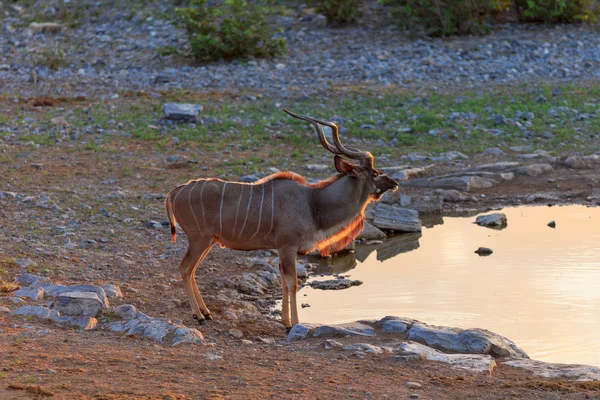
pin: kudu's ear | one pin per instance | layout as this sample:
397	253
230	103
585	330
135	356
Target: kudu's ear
345	167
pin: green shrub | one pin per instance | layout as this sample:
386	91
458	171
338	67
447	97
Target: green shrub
553	11
445	17
228	30
338	11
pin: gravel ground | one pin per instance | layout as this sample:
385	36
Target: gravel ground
111	52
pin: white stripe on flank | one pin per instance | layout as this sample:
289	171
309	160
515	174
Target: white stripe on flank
247	210
237	210
221	210
272	207
190	203
202	204
262	200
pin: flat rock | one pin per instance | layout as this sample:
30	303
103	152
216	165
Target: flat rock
4	309
471	362
499	166
349	329
464	341
370	232
549	370
28	279
33	293
452	195
396	325
36	311
534	169
396	218
493	220
463	183
332	344
158	329
364	348
335	284
78	303
532	198
405	174
181	112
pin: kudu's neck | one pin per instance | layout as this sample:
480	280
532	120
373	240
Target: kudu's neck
339	202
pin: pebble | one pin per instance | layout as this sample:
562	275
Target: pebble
413	385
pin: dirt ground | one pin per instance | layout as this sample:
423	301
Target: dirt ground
42	359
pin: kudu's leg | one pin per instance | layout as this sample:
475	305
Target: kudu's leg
199	300
197	249
285	298
287	258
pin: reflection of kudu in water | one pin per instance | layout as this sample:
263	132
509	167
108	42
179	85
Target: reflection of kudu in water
340	263
280	212
393	246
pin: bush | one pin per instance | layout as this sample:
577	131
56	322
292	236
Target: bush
446	17
228	30
338	11
553	11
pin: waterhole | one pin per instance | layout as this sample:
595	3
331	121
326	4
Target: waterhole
540	287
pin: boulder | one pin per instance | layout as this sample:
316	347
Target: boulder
370	232
349	329
181	112
395	325
467	341
492	220
157	329
32	280
78	303
300	331
396	218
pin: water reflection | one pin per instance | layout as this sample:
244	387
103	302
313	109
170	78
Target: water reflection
541	287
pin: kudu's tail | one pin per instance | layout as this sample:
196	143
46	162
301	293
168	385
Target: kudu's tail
171	216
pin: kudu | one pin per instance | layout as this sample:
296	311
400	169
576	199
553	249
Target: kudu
281	211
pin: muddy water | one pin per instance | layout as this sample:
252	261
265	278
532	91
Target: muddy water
540	287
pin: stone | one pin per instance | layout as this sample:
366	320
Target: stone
317	167
300	331
396	326
462	183
349	329
451	195
78	303
4	309
181	112
24	263
551	371
33	293
112	291
534	169
552	224
370	232
396	218
498	166
484	251
493	220
236	333
500	119
85	323
335	284
521	149
413	385
158	329
464	341
301	271
409	173
35	311
495	151
471	362
413	396
586	162
249	178
127	311
532	198
364	347
332	344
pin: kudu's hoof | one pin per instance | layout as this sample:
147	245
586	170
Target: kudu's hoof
200	321
208	317
287	330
